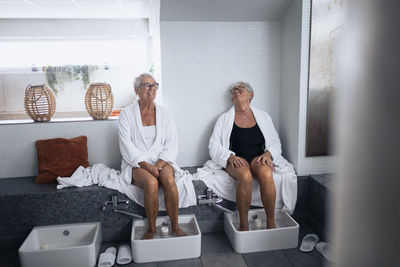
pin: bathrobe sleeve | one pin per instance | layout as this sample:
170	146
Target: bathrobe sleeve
170	140
272	142
218	153
130	153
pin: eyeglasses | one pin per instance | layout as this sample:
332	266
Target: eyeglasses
148	86
239	89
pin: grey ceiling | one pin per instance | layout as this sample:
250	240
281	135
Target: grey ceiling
223	10
171	10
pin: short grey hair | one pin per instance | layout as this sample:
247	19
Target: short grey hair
138	79
246	85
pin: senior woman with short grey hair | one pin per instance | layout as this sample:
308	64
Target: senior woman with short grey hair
244	142
149	146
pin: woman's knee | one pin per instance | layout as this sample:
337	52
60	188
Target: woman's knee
167	182
265	175
167	176
167	171
259	168
245	177
151	184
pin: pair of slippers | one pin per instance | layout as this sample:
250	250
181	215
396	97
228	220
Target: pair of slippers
107	258
312	240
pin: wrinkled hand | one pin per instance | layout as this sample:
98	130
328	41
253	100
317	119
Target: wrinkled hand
265	159
154	170
236	162
160	164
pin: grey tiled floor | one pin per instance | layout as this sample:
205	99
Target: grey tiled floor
217	251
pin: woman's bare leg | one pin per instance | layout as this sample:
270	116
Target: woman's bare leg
168	185
149	183
263	174
244	179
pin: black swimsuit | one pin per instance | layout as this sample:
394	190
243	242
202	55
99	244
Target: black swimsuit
247	143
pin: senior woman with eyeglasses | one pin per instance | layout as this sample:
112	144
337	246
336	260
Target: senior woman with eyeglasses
149	143
244	142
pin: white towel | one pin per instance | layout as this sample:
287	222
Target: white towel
106	177
224	186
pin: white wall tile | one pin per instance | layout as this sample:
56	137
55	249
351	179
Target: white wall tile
18	152
199	62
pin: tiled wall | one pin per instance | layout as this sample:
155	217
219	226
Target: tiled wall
200	60
18	152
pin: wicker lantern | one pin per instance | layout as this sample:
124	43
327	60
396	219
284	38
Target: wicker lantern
40	102
99	101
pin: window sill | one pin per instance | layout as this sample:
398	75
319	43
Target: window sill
11	119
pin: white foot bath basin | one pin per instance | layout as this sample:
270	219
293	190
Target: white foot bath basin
166	246
258	238
62	245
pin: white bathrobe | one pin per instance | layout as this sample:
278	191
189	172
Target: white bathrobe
132	143
134	149
223	185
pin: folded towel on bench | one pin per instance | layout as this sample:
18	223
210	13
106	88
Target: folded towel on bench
106	177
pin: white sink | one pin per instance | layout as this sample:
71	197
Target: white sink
283	237
166	248
62	245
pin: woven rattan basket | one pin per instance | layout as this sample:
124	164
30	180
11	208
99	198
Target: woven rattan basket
40	102
99	101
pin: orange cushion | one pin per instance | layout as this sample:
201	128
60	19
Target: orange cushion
60	157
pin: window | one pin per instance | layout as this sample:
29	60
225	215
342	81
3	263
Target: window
79	44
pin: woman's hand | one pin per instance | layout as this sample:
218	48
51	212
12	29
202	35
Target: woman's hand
266	158
160	164
236	162
154	170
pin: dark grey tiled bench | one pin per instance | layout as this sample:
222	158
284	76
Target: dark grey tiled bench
319	202
25	204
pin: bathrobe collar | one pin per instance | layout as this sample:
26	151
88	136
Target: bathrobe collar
256	113
139	123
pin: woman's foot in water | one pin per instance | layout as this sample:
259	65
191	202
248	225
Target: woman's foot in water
178	231
149	235
271	224
244	227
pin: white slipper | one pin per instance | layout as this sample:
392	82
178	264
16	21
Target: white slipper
107	258
325	249
124	255
309	242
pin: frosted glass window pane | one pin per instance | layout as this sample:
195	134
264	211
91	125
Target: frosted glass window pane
120	53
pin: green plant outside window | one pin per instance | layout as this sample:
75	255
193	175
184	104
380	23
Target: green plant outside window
58	75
